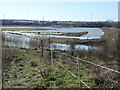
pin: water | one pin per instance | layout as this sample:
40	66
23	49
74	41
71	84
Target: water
67	47
25	39
93	33
28	42
17	41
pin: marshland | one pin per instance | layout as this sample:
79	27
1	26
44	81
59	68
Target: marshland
66	57
60	44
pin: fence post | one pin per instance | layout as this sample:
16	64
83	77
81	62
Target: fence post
60	59
52	60
49	43
51	52
49	47
78	63
42	48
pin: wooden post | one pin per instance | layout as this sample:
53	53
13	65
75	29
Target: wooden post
78	62
52	61
51	53
49	47
60	59
42	48
49	43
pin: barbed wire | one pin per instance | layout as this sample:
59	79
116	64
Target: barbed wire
74	75
90	62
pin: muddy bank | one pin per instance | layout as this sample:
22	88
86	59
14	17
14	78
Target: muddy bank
109	32
74	34
23	29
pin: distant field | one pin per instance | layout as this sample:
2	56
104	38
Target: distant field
45	68
18	29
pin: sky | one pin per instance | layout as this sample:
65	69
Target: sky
60	11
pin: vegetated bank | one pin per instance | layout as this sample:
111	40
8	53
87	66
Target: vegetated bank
28	68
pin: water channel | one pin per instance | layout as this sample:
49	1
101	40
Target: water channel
22	38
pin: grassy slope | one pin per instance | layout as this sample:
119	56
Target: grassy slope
18	29
30	70
27	67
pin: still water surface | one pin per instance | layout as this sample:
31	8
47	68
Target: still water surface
93	33
22	38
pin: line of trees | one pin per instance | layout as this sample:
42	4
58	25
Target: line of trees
61	23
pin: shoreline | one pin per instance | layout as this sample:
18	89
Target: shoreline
103	39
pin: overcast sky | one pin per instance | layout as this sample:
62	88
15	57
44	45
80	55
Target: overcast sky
75	11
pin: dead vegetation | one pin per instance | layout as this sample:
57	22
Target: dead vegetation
107	56
74	34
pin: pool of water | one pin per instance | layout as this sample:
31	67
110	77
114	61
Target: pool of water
25	39
68	47
29	42
93	33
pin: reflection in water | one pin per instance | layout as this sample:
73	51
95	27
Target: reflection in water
16	41
67	47
26	39
92	32
29	42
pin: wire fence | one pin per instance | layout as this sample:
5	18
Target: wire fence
81	67
92	65
103	76
79	64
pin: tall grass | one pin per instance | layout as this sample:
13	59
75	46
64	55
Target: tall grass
108	55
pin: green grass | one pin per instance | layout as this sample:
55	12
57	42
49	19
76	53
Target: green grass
23	29
30	70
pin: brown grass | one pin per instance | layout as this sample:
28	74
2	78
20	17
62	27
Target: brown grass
109	33
26	29
74	34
